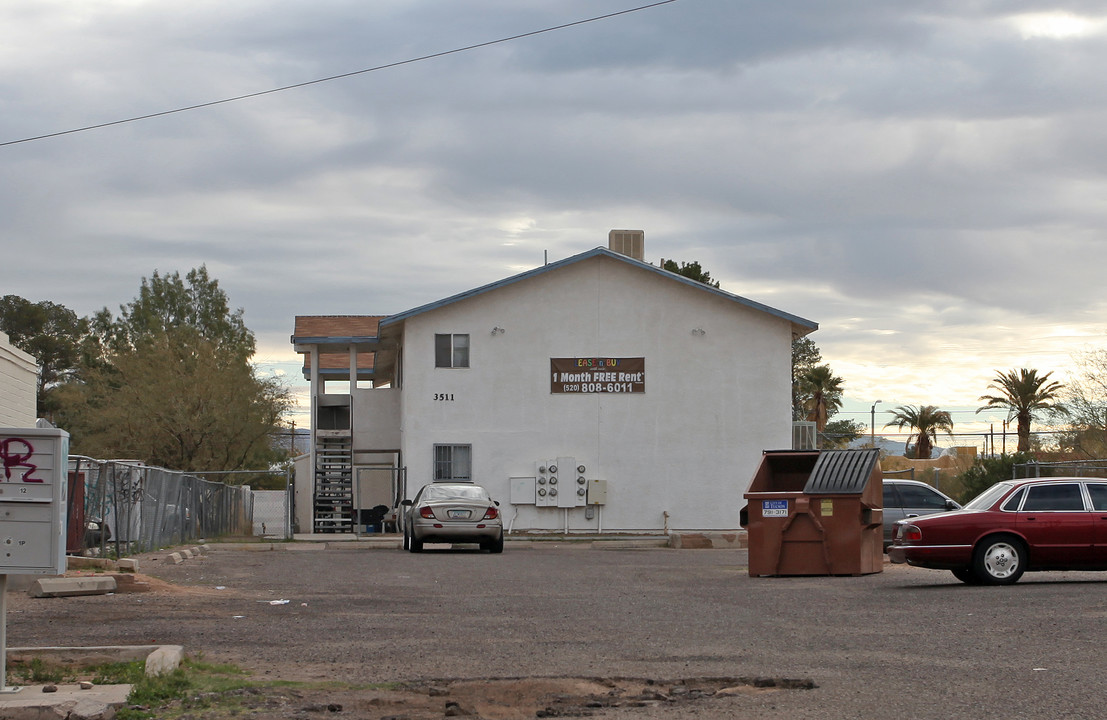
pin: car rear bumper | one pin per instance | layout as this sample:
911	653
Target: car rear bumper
940	557
450	532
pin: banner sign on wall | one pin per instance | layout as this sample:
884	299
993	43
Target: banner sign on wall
597	375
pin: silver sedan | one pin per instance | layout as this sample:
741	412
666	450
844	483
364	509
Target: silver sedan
453	513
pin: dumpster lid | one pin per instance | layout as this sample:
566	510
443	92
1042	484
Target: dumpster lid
842	472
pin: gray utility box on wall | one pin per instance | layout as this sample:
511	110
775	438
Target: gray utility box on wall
33	469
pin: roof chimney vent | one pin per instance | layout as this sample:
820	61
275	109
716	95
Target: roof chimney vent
628	242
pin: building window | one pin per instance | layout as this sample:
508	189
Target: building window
453	463
451	351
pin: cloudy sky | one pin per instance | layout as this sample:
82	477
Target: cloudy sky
924	180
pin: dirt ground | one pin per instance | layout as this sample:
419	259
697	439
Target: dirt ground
307	689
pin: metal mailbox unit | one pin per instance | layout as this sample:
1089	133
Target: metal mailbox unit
33	484
815	513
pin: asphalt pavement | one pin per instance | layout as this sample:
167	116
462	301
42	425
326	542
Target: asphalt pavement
906	642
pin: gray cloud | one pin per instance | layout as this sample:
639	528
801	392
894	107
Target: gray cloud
924	181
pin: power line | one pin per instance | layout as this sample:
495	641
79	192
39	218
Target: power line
337	77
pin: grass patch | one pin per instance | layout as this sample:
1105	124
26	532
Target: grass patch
194	685
41	672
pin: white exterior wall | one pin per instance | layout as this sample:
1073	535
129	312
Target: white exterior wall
18	384
689	445
376	419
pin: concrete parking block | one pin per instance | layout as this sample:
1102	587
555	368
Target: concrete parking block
709	540
128	565
176	558
186	554
70	587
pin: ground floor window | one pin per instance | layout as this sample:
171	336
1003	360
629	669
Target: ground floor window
453	463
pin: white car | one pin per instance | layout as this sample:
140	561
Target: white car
453	513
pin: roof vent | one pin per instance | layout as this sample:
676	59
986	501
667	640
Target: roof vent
628	242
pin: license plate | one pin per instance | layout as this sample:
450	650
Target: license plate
458	514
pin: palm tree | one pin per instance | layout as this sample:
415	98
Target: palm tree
927	420
1023	393
822	393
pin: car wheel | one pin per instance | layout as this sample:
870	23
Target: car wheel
407	540
497	545
999	560
414	544
966	575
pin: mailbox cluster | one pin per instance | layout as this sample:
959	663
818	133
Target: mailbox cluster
33	488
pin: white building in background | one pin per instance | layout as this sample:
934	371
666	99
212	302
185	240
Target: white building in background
596	393
18	386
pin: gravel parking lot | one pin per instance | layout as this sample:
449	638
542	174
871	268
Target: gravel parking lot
905	642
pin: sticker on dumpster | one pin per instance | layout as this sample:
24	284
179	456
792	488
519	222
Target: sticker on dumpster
827	508
774	508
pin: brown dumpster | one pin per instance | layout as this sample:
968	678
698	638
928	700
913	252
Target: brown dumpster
816	513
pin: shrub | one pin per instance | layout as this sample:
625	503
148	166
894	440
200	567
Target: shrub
987	471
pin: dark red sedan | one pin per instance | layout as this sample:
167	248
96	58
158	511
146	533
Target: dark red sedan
1011	528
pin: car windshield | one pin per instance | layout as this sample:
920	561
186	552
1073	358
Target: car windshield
454	492
986	499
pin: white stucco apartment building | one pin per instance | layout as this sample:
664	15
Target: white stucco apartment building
18	383
598	393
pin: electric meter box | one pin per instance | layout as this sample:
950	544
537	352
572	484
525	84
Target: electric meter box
33	485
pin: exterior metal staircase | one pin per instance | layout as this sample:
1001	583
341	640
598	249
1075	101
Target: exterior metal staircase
334	489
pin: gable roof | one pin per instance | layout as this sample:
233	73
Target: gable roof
800	326
375	336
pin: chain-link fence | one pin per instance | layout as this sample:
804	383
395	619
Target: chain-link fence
124	507
1070	468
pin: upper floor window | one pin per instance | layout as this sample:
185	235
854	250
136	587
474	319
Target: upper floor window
451	351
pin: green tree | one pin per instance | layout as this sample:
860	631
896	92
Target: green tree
822	391
805	356
172	383
166	303
692	271
53	334
840	433
180	403
926	421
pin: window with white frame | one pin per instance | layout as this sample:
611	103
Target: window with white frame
451	351
453	463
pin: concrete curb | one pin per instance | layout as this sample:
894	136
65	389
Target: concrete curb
718	540
160	659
